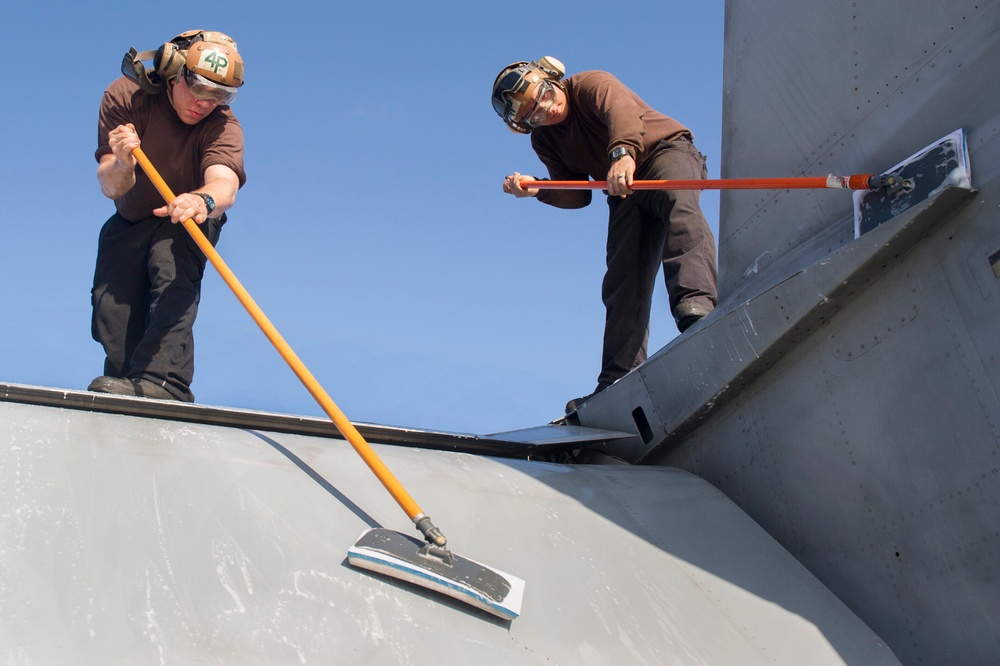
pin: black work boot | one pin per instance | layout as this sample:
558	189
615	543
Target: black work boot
141	388
115	385
689	312
575	403
147	389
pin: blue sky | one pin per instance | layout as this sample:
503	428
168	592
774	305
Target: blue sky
372	230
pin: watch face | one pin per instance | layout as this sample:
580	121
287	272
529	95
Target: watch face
209	201
618	153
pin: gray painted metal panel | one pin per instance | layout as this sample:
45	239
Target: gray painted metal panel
882	425
870	450
131	539
843	87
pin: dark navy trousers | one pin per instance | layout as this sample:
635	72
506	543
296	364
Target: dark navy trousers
647	230
147	285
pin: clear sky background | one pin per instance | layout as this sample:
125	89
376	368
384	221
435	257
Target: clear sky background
372	230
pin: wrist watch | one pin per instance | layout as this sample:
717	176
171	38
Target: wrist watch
618	153
209	201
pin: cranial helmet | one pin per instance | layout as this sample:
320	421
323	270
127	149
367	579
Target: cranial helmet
517	84
211	55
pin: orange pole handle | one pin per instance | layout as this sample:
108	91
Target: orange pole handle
855	182
345	427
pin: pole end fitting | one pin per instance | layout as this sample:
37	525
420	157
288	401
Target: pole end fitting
892	184
432	534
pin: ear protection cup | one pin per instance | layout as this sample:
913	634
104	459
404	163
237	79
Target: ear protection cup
168	61
171	56
552	68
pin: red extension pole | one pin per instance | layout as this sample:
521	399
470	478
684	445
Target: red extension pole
855	182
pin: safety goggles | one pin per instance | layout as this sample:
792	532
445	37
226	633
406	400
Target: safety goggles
531	112
545	97
203	89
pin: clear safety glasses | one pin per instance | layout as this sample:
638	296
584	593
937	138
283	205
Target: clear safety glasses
545	97
203	89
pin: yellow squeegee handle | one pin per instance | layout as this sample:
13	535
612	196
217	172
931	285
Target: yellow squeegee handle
344	425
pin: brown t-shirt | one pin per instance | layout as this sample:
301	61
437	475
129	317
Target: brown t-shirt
603	114
179	152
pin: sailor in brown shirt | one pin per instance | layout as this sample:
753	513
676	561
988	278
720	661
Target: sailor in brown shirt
147	282
590	125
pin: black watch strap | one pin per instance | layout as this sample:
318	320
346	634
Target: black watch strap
618	153
209	201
